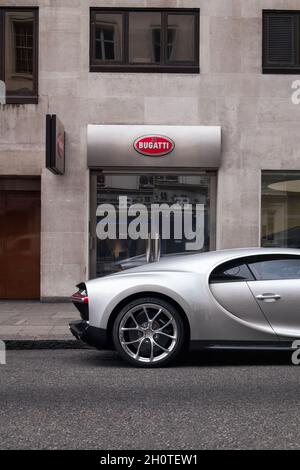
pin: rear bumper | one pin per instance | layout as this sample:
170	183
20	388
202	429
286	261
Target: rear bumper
95	337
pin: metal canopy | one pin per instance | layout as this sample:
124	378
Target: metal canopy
112	146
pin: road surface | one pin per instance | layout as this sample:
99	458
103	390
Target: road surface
86	399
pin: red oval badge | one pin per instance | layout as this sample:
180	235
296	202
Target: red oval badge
154	145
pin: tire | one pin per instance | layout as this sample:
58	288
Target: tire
149	332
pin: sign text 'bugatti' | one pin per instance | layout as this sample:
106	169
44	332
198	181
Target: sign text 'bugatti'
154	145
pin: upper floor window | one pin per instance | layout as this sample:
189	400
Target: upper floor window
19	53
281	41
144	40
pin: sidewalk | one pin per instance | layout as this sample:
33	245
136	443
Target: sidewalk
36	321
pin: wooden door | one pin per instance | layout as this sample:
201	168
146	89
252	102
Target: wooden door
20	231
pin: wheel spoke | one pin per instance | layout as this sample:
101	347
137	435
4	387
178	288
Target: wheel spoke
131	329
146	313
132	342
160	346
137	355
132	317
164	326
156	315
165	334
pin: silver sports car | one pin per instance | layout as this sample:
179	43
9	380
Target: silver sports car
243	298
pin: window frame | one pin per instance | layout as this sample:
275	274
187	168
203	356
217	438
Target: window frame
283	69
165	66
235	262
247	261
15	98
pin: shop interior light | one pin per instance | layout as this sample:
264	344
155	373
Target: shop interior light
290	186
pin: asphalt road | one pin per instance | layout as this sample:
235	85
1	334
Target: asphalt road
85	399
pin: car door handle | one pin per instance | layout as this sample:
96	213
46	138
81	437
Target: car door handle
268	297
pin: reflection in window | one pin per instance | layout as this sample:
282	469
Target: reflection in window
24	46
144	40
181	38
276	269
280	207
114	255
105	42
144	28
157	43
108	31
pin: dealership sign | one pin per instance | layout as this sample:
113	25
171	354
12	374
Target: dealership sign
154	145
55	145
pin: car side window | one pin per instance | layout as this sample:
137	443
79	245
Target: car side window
276	268
233	271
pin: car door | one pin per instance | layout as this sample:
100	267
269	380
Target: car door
229	286
276	289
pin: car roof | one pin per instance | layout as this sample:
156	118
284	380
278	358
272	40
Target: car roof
203	262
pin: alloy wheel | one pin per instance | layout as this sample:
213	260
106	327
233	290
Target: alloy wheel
148	333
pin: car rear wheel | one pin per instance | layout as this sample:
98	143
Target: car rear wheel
148	332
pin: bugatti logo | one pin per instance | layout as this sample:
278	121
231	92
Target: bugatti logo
154	145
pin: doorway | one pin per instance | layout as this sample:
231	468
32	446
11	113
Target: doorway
20	231
112	255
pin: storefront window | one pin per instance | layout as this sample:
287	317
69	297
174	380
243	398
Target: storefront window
280	209
166	205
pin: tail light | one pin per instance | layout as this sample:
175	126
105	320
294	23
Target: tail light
80	297
81	301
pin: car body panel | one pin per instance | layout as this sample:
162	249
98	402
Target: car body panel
284	313
237	298
185	279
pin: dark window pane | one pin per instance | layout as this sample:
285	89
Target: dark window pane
24	44
98	51
108	36
276	269
171	42
144	37
181	38
109	51
230	272
19	55
280	38
156	33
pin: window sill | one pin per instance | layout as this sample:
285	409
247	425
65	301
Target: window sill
145	69
22	100
22	76
281	70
